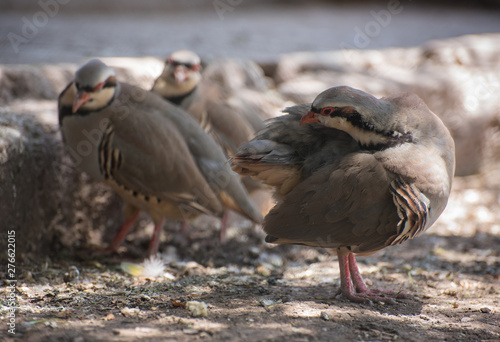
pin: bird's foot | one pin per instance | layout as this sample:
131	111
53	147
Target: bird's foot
353	287
373	295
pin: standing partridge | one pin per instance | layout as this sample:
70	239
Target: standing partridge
182	84
153	154
354	174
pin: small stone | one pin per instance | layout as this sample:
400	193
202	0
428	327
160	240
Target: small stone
324	316
266	302
424	317
254	252
110	317
275	260
128	312
52	324
272	281
205	334
190	331
73	275
466	319
197	309
485	310
263	271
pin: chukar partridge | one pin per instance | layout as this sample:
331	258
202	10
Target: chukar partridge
182	84
153	154
354	174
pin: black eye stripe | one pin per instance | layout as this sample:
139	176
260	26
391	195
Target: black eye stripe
176	64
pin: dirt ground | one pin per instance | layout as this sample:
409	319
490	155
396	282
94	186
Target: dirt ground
255	292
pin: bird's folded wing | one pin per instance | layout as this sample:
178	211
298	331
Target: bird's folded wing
154	161
227	126
347	203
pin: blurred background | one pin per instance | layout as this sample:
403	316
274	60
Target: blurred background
53	31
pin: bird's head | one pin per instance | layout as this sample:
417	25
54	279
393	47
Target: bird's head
370	121
95	85
183	66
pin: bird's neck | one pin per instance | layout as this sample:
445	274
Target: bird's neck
174	92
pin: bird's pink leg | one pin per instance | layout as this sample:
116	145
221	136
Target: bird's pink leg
362	288
351	279
346	287
356	277
121	234
154	244
223	227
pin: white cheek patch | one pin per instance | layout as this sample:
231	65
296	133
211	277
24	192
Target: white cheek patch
99	99
165	86
364	137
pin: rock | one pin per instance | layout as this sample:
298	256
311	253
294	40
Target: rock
30	81
236	74
324	316
43	197
458	78
197	309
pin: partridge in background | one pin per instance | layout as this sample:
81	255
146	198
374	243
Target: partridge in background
354	174
153	154
182	84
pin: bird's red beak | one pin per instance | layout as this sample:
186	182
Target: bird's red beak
80	99
308	118
180	75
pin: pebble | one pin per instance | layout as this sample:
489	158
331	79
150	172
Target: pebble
129	312
72	275
324	316
254	252
485	310
190	331
197	309
266	302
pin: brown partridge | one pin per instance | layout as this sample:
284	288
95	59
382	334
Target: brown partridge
182	84
354	174
153	154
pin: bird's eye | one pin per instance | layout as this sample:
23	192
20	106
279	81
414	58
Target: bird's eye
174	63
327	111
98	87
